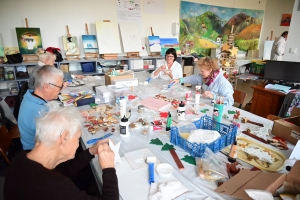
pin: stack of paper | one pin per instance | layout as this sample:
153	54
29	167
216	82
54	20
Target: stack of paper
280	88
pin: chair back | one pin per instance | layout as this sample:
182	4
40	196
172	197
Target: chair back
239	97
5	141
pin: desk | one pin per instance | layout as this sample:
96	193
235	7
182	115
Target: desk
265	101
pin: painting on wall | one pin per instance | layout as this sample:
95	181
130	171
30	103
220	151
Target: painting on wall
167	43
71	45
154	44
204	26
89	43
286	20
29	40
1	47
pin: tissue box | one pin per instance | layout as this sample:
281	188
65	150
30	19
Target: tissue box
257	180
125	75
126	82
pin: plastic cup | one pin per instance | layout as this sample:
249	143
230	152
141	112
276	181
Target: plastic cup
217	112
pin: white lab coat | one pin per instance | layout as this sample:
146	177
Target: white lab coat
278	48
176	72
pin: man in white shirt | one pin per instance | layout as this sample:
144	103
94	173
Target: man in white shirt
279	46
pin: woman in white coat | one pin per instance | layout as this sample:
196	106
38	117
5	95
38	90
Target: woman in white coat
171	68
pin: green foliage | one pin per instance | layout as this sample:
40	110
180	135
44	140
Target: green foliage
245	45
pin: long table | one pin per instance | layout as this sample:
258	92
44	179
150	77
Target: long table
133	184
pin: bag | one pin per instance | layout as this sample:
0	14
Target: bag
248	106
14	58
59	57
84	100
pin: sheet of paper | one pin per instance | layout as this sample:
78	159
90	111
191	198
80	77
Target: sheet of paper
137	159
296	152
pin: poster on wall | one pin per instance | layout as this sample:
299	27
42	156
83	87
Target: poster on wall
286	20
1	47
129	12
29	40
203	26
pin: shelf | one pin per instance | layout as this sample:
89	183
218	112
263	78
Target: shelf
19	64
5	81
6	92
139	70
79	72
76	61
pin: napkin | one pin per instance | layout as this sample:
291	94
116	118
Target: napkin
166	191
259	194
203	136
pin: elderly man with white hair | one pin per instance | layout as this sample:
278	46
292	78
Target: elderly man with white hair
46	171
48	84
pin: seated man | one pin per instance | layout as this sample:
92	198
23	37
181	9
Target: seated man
47	170
48	83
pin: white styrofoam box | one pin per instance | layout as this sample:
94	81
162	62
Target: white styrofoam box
136	64
103	93
126	82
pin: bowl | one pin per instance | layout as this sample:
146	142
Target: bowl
164	170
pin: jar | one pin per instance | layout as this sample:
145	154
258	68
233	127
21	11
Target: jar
10	75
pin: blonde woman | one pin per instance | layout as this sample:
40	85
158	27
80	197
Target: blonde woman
212	80
48	58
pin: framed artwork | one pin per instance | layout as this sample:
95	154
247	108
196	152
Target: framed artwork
71	45
154	44
1	47
29	40
167	43
286	20
89	43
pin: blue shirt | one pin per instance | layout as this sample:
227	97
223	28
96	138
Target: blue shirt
220	86
30	109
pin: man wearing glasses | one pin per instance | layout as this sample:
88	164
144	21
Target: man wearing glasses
48	84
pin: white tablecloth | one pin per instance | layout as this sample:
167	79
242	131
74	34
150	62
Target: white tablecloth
134	184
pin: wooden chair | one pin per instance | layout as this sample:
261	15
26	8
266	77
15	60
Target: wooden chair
239	97
14	132
5	141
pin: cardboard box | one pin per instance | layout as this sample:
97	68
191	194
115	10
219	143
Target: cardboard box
259	180
136	64
124	75
188	71
288	129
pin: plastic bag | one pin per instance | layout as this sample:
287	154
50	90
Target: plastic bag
210	167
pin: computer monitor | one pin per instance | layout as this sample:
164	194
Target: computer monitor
282	71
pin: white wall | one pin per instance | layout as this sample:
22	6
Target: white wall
53	16
293	40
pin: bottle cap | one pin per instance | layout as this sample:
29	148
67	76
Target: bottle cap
181	104
124	119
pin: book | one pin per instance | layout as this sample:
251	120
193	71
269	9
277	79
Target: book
155	104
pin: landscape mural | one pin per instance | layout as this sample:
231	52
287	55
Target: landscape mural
203	27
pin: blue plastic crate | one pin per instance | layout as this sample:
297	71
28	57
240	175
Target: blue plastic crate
227	132
88	67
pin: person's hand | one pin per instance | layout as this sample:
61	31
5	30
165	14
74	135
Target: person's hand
79	76
66	84
175	81
94	149
208	94
106	156
162	68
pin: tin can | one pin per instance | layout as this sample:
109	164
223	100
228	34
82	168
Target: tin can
188	95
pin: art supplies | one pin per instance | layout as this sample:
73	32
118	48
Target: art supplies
181	111
155	104
124	127
169	122
188	95
92	141
233	152
197	94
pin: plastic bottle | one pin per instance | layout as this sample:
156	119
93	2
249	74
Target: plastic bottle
233	152
181	111
124	127
169	122
122	102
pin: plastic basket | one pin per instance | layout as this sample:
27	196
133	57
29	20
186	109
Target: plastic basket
257	68
227	132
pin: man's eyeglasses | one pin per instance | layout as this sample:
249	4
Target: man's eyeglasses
60	87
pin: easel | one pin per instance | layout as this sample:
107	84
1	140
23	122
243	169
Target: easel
153	54
108	56
133	55
29	57
89	56
72	56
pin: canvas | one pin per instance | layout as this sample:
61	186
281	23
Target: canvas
1	47
29	40
204	25
71	45
154	44
286	20
167	43
89	43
